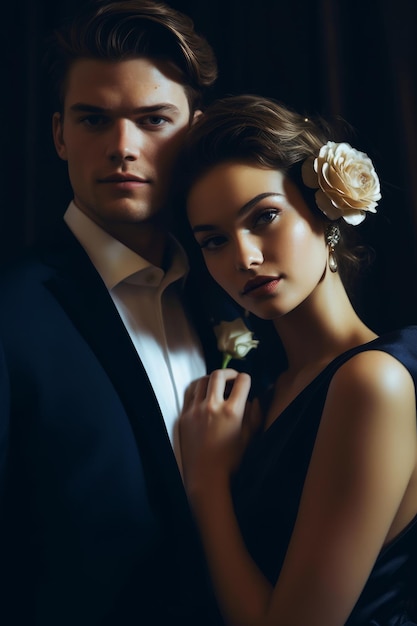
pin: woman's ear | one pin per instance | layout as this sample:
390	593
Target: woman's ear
197	113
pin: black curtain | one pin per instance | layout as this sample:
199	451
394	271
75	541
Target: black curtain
351	58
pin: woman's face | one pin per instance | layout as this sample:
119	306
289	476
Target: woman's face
259	239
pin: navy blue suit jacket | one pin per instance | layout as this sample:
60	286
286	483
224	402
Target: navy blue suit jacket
95	527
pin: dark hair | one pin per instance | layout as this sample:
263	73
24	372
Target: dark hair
262	131
115	31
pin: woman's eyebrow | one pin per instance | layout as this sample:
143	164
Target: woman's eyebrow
248	205
244	209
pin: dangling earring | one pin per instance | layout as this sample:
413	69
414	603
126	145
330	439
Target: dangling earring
332	239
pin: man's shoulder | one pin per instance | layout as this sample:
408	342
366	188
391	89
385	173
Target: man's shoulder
26	267
27	275
59	251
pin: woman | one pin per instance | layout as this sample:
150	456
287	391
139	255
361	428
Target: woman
314	523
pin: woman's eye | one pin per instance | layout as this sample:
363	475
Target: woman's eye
266	217
212	243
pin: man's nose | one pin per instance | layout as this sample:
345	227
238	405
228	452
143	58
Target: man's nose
124	143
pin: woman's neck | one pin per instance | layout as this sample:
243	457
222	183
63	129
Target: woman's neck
312	336
321	328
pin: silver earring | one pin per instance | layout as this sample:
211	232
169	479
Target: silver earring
332	239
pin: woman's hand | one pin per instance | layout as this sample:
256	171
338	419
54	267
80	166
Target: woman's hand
215	426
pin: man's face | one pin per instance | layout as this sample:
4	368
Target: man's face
121	130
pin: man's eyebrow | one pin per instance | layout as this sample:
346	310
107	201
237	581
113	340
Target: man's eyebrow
162	107
242	211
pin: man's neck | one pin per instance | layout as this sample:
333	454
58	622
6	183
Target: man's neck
145	239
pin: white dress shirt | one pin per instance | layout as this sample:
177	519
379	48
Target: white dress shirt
148	301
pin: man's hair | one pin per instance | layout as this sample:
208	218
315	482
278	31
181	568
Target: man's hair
115	31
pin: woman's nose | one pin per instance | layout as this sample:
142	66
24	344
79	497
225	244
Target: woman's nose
248	253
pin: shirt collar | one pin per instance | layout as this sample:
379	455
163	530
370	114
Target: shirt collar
115	262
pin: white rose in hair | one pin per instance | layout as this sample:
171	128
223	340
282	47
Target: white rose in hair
347	183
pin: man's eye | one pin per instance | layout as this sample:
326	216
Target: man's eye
94	120
153	120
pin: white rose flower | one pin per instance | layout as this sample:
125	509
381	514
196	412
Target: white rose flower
347	183
234	340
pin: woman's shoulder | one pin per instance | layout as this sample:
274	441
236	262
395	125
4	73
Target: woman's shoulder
378	360
382	376
373	368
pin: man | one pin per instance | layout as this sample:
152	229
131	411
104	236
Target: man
97	345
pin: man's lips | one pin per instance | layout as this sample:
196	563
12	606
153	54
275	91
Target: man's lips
123	178
264	284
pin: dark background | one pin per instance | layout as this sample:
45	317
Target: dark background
351	58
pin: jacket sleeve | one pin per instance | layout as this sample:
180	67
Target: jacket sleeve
4	422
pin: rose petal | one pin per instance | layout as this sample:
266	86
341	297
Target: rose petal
234	338
333	179
354	218
325	205
348	179
308	174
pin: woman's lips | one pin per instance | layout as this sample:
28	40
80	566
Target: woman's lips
262	285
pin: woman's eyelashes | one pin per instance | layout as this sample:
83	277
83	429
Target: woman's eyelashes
212	242
257	221
265	217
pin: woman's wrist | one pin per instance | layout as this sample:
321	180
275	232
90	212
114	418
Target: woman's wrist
208	489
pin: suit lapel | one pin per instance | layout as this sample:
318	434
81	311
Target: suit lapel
81	292
199	304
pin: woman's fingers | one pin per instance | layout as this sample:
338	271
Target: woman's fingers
241	387
195	392
224	392
211	427
228	384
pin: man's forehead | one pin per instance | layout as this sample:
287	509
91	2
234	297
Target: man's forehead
142	80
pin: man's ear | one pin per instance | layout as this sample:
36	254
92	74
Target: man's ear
197	114
58	136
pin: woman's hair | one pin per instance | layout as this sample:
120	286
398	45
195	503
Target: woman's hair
263	132
255	129
114	31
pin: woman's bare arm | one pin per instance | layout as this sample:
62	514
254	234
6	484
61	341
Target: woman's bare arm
363	459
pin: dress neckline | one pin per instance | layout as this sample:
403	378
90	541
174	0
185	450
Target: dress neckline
340	358
334	363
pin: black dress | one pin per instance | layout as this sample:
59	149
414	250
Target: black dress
268	486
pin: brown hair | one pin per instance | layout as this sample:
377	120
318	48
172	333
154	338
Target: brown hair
264	132
116	31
